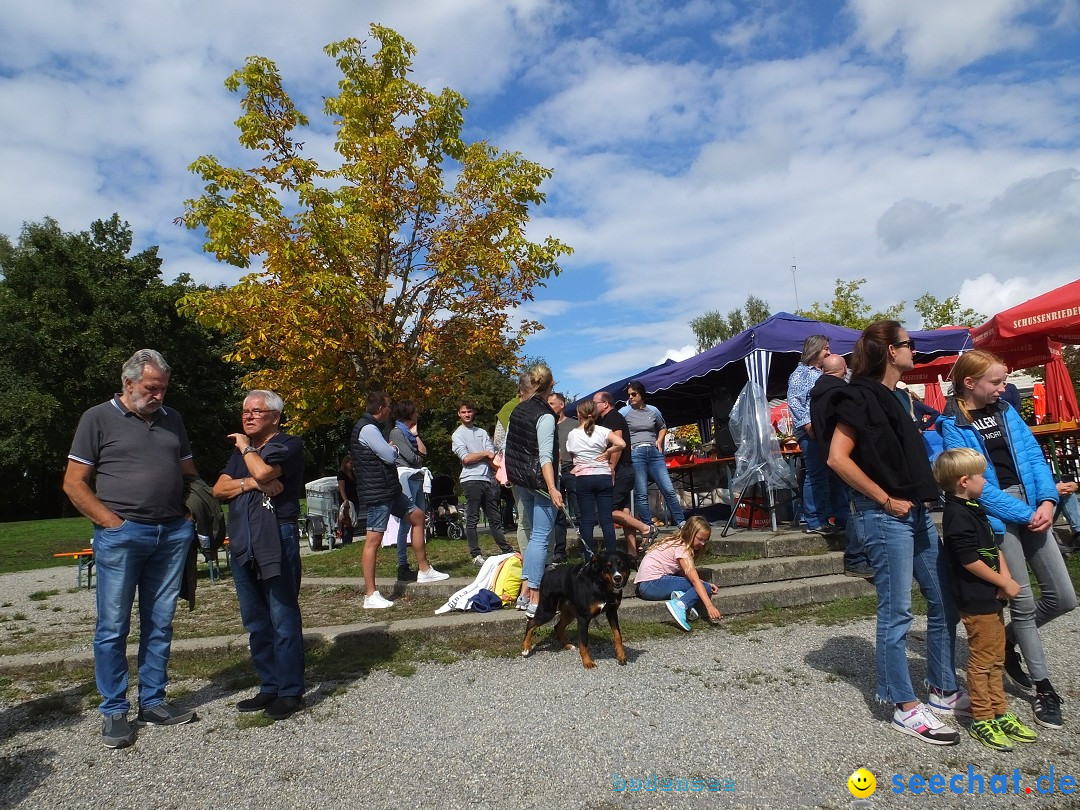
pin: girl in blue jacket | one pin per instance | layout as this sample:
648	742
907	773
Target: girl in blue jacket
1019	499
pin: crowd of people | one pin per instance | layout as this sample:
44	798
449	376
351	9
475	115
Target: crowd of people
868	474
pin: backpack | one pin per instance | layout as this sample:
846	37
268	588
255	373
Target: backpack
507	583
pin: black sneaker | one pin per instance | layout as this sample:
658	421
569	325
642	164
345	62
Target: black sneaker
406	574
165	715
116	732
284	706
260	701
1014	667
559	559
864	571
1048	708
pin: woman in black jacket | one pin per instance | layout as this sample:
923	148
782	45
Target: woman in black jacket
878	451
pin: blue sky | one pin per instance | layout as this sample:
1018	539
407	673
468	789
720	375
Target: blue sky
698	147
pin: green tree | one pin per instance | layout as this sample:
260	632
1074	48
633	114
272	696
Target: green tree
375	273
713	328
73	308
936	314
849	308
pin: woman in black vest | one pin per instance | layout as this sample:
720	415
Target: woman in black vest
532	463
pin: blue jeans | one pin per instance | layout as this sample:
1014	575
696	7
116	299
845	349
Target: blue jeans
900	548
150	558
816	499
1068	506
649	463
270	609
542	517
855	551
659	590
419	500
594	497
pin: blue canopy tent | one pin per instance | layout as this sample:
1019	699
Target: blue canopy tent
707	384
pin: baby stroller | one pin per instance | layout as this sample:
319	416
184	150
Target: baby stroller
444	519
322	511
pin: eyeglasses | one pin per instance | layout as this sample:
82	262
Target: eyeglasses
634	394
258	413
910	343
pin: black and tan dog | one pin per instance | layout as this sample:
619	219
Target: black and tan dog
582	592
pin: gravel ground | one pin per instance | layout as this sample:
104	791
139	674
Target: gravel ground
783	714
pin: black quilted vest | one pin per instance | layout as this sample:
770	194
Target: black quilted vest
376	481
522	449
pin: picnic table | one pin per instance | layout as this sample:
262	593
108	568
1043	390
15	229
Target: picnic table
85	559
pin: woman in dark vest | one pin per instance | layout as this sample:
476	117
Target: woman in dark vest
532	464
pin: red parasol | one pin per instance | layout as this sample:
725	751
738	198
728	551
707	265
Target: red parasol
1054	315
927	373
1038	402
933	397
1060	395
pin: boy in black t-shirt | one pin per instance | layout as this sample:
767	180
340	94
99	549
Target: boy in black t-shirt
981	580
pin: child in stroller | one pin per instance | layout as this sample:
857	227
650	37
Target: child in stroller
444	519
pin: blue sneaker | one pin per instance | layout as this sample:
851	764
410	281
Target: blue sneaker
678	612
691	614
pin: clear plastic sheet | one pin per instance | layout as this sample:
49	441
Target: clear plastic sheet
758	456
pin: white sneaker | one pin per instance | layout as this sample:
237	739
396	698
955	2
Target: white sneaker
478	561
376	602
430	575
920	722
958	703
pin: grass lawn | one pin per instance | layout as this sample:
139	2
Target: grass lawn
29	544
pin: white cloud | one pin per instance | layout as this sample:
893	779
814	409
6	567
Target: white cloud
990	295
937	35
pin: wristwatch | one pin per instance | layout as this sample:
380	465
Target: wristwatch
249	449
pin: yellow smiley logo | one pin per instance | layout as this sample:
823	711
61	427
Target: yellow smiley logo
862	784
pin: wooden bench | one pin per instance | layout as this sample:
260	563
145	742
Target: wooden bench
85	559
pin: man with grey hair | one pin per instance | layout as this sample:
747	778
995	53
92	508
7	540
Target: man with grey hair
136	453
263	482
833	378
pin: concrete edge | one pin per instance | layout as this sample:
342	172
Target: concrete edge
734	600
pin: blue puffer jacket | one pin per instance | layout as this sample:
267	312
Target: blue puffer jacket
957	431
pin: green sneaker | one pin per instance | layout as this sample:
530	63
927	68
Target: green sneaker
988	733
1011	726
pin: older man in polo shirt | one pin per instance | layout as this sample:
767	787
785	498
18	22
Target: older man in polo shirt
138	450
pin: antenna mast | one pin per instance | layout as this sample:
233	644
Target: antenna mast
793	284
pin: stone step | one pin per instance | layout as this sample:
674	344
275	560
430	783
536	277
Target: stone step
776	569
783	544
730	601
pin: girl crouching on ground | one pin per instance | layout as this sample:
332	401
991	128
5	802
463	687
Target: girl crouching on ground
667	573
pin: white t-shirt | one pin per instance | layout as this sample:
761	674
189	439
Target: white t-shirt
587	449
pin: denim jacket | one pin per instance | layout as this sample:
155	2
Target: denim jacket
1036	481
